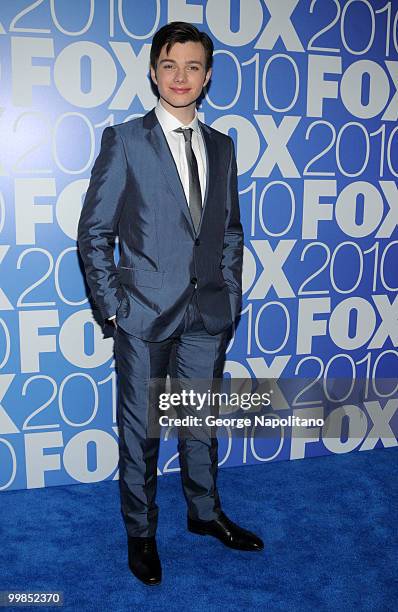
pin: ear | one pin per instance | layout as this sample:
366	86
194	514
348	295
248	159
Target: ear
153	75
207	77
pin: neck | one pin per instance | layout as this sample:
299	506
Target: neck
185	114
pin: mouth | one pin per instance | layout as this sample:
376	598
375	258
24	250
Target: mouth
180	90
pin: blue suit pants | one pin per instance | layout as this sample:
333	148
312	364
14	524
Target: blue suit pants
190	353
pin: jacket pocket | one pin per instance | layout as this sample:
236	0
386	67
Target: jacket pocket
142	278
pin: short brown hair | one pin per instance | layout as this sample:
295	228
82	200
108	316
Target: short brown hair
180	32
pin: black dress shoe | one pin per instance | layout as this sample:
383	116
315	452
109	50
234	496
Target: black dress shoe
227	532
144	560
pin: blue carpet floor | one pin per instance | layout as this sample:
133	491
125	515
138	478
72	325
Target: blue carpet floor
329	523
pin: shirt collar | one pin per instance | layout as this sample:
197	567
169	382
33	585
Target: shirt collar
169	123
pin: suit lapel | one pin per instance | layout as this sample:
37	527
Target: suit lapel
158	141
211	166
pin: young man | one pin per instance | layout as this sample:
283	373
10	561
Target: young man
166	185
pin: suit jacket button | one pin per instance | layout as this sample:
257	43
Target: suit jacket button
194	281
197	242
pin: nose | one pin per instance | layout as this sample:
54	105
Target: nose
180	75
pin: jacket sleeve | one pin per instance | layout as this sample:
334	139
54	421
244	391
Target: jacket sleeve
98	224
232	258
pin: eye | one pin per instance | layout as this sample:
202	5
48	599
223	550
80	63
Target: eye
167	66
195	68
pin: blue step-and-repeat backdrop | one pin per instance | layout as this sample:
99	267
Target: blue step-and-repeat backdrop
308	89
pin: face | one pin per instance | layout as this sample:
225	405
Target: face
181	75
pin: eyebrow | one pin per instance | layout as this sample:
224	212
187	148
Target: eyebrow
171	61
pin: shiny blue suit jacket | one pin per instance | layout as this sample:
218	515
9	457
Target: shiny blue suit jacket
135	193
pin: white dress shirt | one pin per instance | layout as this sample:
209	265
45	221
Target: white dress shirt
176	143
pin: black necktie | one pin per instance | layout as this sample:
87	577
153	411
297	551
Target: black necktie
195	194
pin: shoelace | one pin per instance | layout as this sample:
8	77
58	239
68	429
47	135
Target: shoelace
148	547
